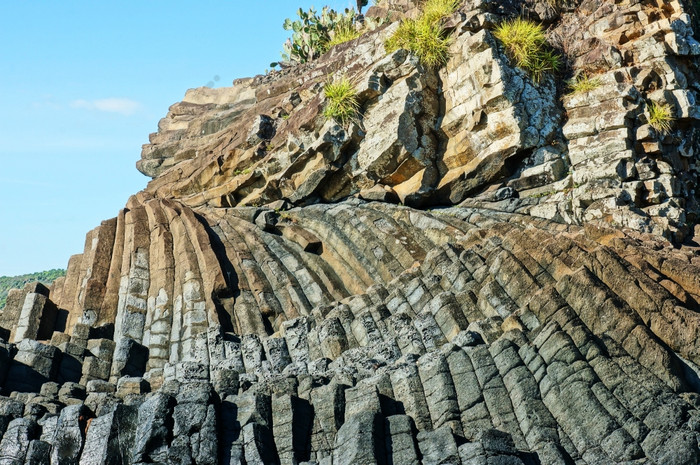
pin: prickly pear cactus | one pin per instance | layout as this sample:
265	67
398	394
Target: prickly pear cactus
312	32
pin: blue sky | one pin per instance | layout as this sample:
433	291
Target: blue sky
84	83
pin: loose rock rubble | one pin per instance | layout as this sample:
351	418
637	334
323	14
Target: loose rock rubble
266	300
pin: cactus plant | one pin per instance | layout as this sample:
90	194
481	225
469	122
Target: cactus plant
360	5
312	33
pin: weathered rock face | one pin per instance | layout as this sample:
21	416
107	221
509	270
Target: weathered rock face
266	301
463	133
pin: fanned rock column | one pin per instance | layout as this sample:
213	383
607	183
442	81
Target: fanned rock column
508	323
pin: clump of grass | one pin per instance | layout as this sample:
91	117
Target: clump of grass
341	101
521	38
434	10
344	34
548	61
426	40
660	117
425	36
345	31
583	84
403	37
526	44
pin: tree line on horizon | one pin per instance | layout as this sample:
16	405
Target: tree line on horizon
18	282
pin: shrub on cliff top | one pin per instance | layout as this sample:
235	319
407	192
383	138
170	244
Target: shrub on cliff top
526	44
425	36
313	33
341	101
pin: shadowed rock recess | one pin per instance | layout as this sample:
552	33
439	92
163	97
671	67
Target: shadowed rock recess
479	270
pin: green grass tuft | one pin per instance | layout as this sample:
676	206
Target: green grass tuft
341	101
521	38
343	34
344	31
526	44
435	10
548	61
660	117
426	40
425	36
404	36
583	84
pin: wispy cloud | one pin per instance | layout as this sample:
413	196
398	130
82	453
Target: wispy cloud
122	106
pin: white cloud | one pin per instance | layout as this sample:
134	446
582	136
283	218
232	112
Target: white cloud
122	106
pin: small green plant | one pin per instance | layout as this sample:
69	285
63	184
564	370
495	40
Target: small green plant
341	101
312	33
435	10
521	38
548	61
361	4
583	84
660	117
345	31
426	40
526	44
425	36
403	36
542	194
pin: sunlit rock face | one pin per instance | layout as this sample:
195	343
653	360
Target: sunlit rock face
478	269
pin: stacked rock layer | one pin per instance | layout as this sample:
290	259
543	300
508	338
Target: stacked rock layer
476	271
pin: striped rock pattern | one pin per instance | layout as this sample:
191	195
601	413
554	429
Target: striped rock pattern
365	333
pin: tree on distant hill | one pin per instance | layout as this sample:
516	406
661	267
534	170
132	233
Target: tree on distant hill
18	282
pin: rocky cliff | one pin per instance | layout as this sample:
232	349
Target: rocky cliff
478	269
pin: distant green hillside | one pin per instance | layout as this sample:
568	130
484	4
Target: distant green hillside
12	282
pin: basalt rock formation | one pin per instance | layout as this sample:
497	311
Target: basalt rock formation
478	270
